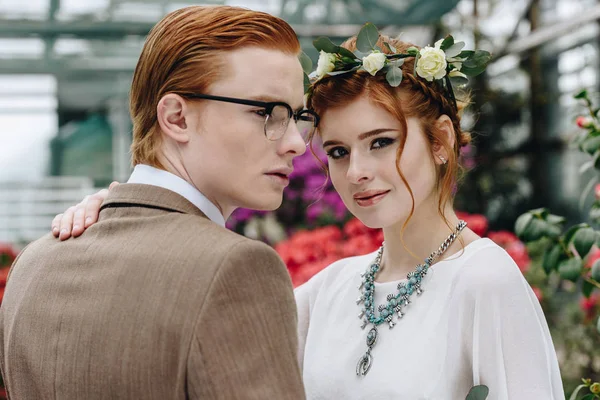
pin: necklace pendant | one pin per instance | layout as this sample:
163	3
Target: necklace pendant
391	323
364	364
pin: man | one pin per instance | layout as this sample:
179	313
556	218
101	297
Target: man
158	300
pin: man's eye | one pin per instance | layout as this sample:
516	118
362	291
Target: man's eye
260	113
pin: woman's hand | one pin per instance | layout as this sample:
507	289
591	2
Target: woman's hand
78	218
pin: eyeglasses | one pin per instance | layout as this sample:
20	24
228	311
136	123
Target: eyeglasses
277	116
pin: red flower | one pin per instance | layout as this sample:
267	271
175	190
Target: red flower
590	306
503	238
477	222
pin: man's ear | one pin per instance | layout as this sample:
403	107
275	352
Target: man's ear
444	126
171	113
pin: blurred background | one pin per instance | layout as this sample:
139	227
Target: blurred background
66	67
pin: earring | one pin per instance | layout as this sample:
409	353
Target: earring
442	159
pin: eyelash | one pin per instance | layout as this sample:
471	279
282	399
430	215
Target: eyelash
383	143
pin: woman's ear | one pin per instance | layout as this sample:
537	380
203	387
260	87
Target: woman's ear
444	126
171	113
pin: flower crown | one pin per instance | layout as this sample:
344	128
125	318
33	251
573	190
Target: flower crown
446	62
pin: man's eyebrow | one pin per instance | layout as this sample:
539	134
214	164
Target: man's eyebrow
272	99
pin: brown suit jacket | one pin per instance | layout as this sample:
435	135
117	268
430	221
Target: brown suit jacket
154	301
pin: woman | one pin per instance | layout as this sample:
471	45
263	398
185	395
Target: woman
465	316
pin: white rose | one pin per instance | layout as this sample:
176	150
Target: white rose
325	63
374	62
432	63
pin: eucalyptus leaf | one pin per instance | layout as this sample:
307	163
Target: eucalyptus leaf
394	76
455	49
306	83
396	62
479	392
587	288
476	63
367	38
596	271
551	258
570	269
466	53
359	54
340	72
306	62
576	392
391	48
325	44
447	43
584	240
344	52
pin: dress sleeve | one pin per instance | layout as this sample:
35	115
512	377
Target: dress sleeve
510	346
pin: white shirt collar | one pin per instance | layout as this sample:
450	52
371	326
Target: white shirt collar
147	175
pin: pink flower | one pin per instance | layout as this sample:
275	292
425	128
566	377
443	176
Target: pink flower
597	191
584	122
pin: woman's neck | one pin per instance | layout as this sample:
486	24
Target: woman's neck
424	234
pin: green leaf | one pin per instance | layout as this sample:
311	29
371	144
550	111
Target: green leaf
325	44
397	62
391	48
540	212
587	288
552	231
536	229
555	219
447	43
476	63
306	62
551	258
582	94
576	392
596	271
572	231
590	396
306	83
591	145
394	76
454	50
522	223
412	51
466	54
570	269
583	241
359	54
479	392
367	38
344	52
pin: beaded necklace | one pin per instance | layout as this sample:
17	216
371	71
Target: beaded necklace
395	302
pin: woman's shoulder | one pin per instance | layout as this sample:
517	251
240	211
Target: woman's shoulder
485	265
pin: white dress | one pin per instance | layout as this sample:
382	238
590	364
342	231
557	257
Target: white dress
477	322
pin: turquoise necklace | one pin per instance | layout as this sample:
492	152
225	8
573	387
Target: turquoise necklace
395	302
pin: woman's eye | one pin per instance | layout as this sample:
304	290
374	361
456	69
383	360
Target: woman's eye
381	143
337	153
